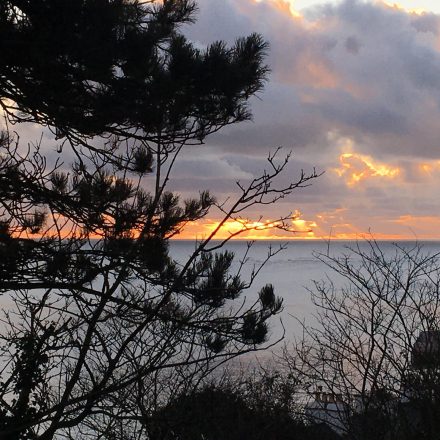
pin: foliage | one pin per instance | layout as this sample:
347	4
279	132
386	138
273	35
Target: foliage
248	407
100	312
122	67
376	341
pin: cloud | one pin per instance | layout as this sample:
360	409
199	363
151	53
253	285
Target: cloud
293	228
354	90
357	73
357	167
367	69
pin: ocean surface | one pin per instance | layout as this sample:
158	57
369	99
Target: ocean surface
292	272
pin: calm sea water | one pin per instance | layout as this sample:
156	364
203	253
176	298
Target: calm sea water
292	272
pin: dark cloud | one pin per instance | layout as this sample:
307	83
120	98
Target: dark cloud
352	45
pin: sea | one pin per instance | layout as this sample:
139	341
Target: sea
293	271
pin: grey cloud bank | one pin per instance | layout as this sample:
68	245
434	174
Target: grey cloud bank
370	71
357	74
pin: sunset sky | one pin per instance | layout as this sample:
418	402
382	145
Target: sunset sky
354	91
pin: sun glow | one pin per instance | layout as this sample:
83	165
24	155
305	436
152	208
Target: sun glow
285	6
294	227
429	168
356	167
399	7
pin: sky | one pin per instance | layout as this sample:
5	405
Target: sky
354	92
417	5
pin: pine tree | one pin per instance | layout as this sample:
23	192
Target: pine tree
99	308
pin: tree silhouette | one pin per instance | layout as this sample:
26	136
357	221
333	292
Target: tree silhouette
375	342
254	405
122	67
97	308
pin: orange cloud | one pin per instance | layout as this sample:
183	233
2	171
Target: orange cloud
422	227
429	168
356	167
337	225
285	6
399	7
317	73
334	225
432	222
